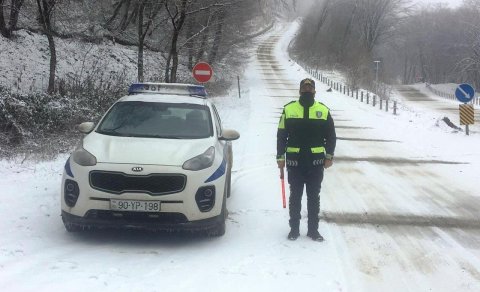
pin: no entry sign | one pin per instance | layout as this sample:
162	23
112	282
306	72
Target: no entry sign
202	72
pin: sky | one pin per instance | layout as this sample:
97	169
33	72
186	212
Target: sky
450	3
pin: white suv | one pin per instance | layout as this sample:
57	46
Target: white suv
158	159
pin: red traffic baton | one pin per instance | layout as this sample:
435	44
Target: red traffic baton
282	180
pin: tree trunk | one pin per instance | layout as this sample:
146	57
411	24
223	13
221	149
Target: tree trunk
405	68
218	38
167	67
346	33
45	8
3	27
53	62
174	54
190	42
203	45
14	12
15	6
141	40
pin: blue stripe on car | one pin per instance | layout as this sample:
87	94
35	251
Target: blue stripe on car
219	172
68	170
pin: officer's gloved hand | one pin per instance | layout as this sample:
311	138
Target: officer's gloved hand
281	161
328	163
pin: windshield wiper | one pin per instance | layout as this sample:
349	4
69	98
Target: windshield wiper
163	137
114	132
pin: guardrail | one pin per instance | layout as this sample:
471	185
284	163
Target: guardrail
358	94
443	94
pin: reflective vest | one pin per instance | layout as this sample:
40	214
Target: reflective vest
306	131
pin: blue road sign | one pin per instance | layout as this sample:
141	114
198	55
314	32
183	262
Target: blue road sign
465	92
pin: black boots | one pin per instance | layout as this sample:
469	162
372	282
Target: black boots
315	235
294	234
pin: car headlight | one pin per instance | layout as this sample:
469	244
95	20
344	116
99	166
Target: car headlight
83	157
201	161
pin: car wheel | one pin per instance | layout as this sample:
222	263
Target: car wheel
228	182
73	227
70	227
221	227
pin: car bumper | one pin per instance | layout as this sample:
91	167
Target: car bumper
183	202
140	220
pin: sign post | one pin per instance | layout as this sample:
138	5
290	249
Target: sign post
202	72
465	93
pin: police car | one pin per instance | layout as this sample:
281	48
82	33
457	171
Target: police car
158	159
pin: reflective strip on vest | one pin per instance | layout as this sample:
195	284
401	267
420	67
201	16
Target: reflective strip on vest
281	124
295	110
293	150
316	150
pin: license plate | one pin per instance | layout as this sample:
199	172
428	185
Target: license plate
135	205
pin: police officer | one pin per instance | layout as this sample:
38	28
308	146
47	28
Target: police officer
306	134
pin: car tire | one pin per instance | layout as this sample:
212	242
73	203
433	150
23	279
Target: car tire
71	227
228	182
221	227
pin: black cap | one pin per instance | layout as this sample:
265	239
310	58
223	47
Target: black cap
307	81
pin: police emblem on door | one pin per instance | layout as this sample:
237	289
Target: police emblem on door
319	114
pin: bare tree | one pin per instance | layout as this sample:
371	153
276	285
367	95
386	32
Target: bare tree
141	12
45	10
178	11
378	19
15	6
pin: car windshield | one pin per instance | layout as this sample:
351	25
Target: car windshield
157	120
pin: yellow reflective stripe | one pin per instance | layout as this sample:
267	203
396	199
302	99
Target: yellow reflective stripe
318	150
293	150
281	124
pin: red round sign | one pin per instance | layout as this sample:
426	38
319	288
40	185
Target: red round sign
202	72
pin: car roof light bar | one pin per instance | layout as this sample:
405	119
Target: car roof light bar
168	88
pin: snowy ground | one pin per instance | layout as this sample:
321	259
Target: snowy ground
400	208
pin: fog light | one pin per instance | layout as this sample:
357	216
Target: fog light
205	198
71	192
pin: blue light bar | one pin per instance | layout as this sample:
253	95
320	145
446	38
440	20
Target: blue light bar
168	88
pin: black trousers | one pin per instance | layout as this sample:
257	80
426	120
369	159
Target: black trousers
312	178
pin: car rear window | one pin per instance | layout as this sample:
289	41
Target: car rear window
157	120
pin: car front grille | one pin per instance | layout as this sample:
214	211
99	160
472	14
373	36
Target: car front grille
153	184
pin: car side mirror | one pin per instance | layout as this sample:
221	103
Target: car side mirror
229	135
86	127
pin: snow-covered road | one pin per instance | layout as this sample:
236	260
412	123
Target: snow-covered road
400	210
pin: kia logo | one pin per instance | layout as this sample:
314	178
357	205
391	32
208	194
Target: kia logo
137	168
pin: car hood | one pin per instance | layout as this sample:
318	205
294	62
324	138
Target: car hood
134	150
